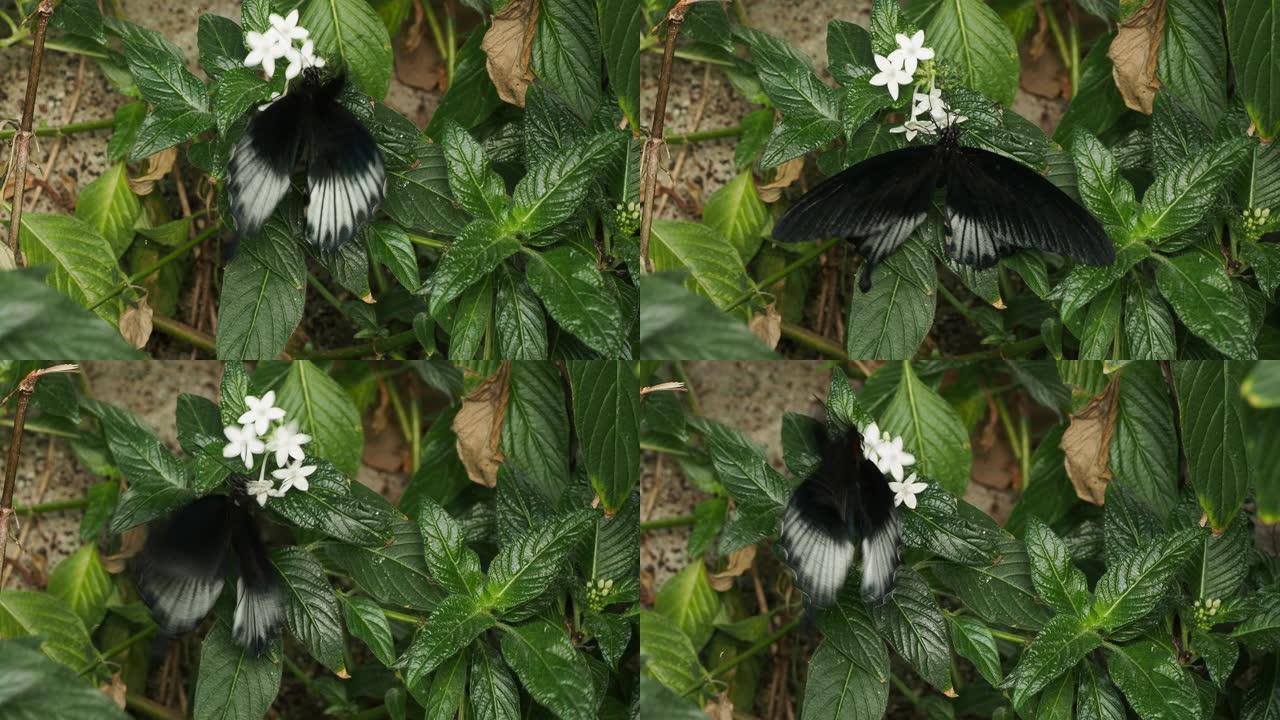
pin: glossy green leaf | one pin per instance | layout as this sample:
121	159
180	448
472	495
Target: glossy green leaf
349	33
606	413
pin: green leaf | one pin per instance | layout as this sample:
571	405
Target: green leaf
81	262
535	429
931	429
735	212
469	324
687	600
40	322
1086	282
525	567
936	527
1262	699
472	96
1096	697
1213	435
1192	63
110	207
713	262
390	246
454	624
263	290
974	642
895	315
1000	593
742	467
1132	587
63	636
1141	458
161	73
234	683
349	33
1261	388
367	621
493	693
796	135
1261	630
329	507
848	51
1153	682
1180	196
519	320
1206	300
475	253
676	323
311	608
80	581
550	668
454	565
613	550
79	17
575	295
235	91
971	36
158	481
1148	322
1219	652
1058	581
667	654
168	124
39	687
221	45
102	498
566	53
790	83
396	573
839	689
1059	646
419	199
606	414
125	123
1104	190
620	24
912	622
553	191
848	627
323	410
447	690
1253	33
473	181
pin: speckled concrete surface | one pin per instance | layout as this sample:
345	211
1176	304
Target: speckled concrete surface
148	389
708	165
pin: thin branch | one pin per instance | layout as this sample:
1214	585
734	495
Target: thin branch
653	146
24	390
23	141
64	130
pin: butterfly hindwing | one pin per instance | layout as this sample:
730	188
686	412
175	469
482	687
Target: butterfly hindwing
259	611
262	161
877	203
996	205
345	176
180	569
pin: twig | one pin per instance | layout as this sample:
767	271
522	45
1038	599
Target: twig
64	130
24	390
23	145
653	146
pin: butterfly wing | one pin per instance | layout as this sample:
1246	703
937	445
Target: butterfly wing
996	205
179	571
846	494
262	161
877	203
345	176
259	611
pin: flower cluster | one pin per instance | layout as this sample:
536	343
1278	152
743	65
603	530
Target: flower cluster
1255	221
899	69
1205	610
262	431
888	456
627	218
278	42
598	592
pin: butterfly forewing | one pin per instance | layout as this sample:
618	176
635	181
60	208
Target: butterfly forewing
345	177
996	205
262	161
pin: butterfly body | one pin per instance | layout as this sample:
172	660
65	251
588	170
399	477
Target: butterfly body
845	500
346	176
993	207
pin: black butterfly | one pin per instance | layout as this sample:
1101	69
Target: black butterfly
181	568
345	174
847	498
994	206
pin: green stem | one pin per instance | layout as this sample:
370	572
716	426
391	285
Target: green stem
1011	637
402	617
428	242
664	523
355	352
693	137
695	403
784	271
1058	39
329	297
298	673
813	341
415	431
72	49
61	130
125	644
750	652
904	689
37	426
158	264
660	449
140	705
53	506
1074	65
1013	349
183	332
955	303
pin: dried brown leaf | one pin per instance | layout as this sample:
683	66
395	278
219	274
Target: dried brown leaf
131	542
739	562
1133	54
115	689
785	174
135	323
508	45
767	327
1087	445
478	426
158	166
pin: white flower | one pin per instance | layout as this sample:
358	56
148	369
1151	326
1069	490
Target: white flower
242	442
293	476
286	442
261	489
911	127
929	103
300	59
871	442
262	411
904	493
288	26
891	74
910	50
275	95
893	459
264	49
948	120
309	57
